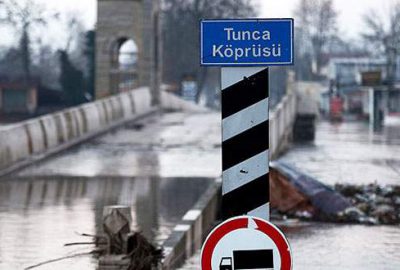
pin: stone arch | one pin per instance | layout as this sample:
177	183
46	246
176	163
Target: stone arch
123	55
121	47
117	22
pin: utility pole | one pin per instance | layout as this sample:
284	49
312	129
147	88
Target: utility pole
156	74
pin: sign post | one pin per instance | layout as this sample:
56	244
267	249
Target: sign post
244	49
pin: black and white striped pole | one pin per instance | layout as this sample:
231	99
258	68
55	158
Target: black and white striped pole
244	49
245	130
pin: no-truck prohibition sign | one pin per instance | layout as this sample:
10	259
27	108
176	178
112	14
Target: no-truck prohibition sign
246	243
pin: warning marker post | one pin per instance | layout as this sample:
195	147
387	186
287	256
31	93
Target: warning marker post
244	49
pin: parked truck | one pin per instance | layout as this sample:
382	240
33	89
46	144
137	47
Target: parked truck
248	259
308	96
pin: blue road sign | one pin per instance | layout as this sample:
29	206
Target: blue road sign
249	42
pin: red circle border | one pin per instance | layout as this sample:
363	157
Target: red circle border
240	223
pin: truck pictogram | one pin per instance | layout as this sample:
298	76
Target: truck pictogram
248	259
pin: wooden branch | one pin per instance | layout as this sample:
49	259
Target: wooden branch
79	243
61	259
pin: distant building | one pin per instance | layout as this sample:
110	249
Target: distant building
362	83
18	98
345	75
346	72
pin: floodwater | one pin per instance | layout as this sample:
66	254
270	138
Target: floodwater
322	246
165	145
318	246
38	216
159	166
349	152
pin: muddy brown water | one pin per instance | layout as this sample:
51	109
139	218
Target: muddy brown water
38	216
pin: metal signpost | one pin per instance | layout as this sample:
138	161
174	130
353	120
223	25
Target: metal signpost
244	48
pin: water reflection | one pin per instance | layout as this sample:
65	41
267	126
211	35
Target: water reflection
318	246
38	215
349	153
392	134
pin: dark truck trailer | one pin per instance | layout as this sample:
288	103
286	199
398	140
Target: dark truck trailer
248	259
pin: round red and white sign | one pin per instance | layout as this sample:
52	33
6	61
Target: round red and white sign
246	243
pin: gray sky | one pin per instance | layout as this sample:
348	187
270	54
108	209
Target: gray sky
350	15
55	32
350	20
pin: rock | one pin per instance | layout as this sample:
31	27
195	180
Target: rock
382	200
304	215
386	214
351	214
348	190
396	200
364	207
369	221
362	198
396	190
387	191
371	188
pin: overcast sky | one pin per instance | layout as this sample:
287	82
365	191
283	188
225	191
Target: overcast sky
350	14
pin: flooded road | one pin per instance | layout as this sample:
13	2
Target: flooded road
318	246
349	152
38	216
165	145
321	246
159	167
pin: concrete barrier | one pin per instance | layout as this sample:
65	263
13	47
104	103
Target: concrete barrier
281	124
141	100
49	130
91	117
170	101
31	140
188	236
27	141
15	144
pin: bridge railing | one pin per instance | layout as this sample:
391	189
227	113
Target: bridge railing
30	140
281	123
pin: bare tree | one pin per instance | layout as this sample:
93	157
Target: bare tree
23	16
75	30
75	41
47	66
181	34
384	33
316	24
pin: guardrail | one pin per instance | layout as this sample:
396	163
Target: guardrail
188	236
281	123
28	141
